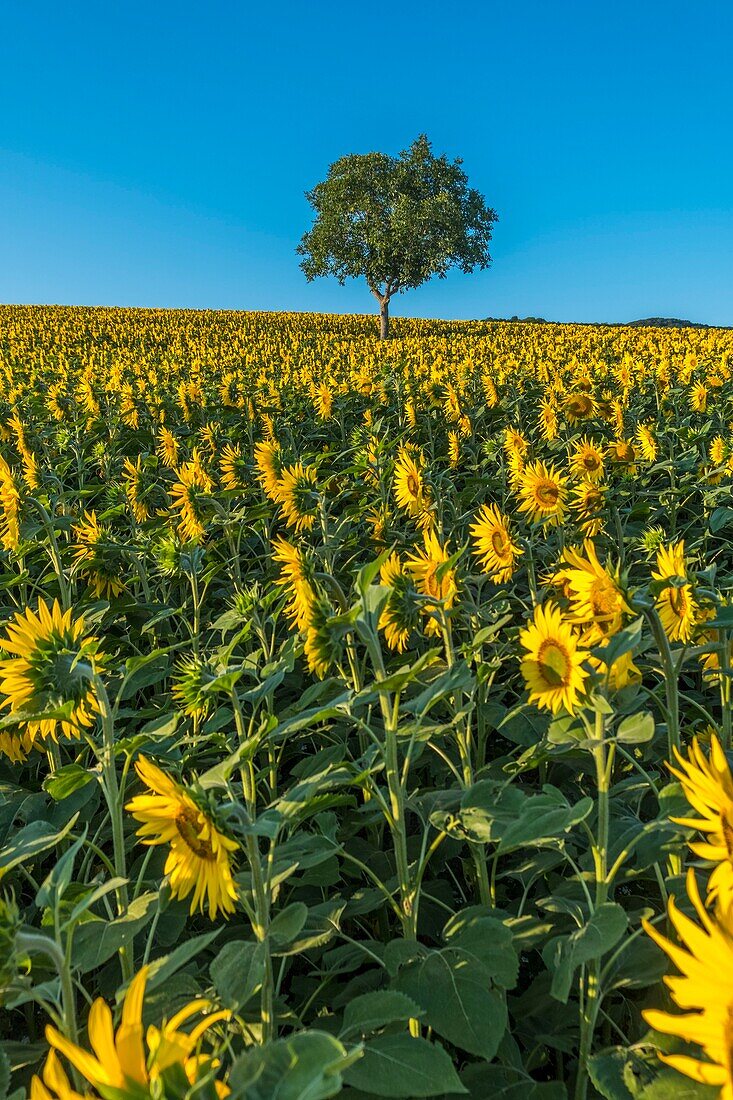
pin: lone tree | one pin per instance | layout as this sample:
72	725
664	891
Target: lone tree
397	221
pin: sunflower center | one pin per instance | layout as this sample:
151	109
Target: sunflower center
603	598
547	493
187	824
500	543
591	461
412	485
554	661
678	602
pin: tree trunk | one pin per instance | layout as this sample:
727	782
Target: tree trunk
383	318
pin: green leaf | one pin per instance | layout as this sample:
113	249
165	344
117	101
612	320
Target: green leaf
543	817
95	941
163	968
288	923
621	643
636	1073
371	1011
238	972
455	990
488	939
69	778
637	729
403	1066
306	1066
602	932
30	841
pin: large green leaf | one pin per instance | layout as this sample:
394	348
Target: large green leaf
305	1066
602	932
238	972
402	1066
455	990
375	1010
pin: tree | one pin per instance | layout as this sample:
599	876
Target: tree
396	221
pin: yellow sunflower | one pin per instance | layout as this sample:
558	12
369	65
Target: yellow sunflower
552	669
708	787
543	493
269	466
199	860
399	616
494	546
597	603
586	460
423	566
52	657
233	468
578	406
647	443
703	953
98	561
9	508
190	499
119	1067
454	450
410	490
676	604
133	477
297	495
296	580
587	503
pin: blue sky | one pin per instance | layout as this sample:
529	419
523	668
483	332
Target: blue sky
157	154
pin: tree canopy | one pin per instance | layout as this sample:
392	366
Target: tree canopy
396	221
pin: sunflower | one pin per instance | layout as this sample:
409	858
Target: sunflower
454	450
675	603
133	476
233	468
98	561
268	462
323	401
542	492
647	443
699	397
708	787
623	453
494	546
552	669
167	447
716	451
50	668
586	460
703	953
548	420
199	860
295	577
587	503
578	406
400	615
597	603
424	566
190	498
409	486
9	508
297	494
189	683
322	643
120	1067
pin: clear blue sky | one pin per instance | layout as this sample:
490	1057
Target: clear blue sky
157	153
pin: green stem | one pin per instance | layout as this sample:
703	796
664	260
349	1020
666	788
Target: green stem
114	804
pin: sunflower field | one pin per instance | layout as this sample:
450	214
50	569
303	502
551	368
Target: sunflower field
366	708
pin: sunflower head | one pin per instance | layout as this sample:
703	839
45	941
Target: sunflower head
298	496
401	613
191	678
552	667
494	545
49	668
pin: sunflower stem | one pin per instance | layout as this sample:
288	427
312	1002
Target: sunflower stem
113	798
261	895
